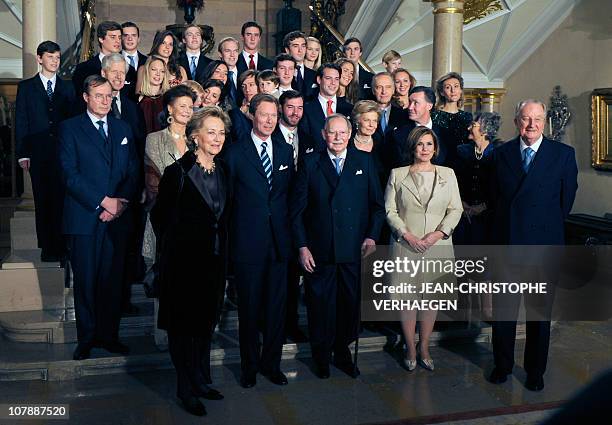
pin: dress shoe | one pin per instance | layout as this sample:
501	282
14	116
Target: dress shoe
426	363
498	377
114	347
82	351
410	364
248	380
193	405
277	378
297	336
208	393
322	371
534	383
349	368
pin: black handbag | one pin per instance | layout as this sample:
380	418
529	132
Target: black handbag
152	279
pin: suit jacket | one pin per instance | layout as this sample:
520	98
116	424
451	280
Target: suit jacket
365	83
405	211
203	61
309	88
530	208
93	66
446	154
305	145
262	63
397	118
93	169
313	120
142	59
259	223
36	119
132	114
331	214
241	125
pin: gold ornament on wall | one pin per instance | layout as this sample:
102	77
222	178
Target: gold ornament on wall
478	9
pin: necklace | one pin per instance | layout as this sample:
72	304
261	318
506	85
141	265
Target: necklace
358	140
174	135
203	167
478	153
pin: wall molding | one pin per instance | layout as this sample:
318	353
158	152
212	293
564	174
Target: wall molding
370	22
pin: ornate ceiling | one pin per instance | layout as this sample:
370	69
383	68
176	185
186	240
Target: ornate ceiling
499	35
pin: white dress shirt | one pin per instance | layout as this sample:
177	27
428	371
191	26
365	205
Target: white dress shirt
118	97
94	121
134	55
247	59
323	102
234	77
258	143
535	146
45	79
429	124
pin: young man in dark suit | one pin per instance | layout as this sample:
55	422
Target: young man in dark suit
260	170
100	169
250	58
43	101
130	38
192	59
534	185
109	41
114	68
353	51
337	213
324	105
305	78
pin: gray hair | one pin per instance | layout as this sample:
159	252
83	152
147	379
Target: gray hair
523	103
112	58
489	124
337	115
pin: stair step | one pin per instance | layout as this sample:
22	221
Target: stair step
22	362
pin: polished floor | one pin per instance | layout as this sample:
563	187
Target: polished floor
456	392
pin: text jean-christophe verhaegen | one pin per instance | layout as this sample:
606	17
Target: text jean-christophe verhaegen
416	272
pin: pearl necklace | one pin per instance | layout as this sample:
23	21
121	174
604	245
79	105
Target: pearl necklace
203	167
367	142
478	153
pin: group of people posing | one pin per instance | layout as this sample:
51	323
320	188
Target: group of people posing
265	172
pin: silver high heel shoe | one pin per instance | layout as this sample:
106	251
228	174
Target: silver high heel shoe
409	364
426	363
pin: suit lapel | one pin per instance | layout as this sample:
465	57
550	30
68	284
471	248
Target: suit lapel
94	137
196	178
542	161
408	183
252	155
327	168
348	169
514	160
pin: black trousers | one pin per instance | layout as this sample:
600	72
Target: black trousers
191	359
97	263
293	295
262	294
332	301
48	191
134	261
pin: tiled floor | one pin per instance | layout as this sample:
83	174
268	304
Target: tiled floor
383	393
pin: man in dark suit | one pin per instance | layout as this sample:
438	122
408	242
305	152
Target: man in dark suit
192	59
324	105
114	68
534	185
101	173
250	58
284	67
288	131
353	51
304	80
229	50
421	101
43	101
337	212
391	116
109	41
260	171
130	38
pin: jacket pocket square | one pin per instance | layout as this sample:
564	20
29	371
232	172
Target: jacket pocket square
358	172
124	141
283	167
309	150
366	86
314	86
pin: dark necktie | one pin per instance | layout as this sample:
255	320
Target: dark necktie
50	90
101	130
299	80
230	80
267	164
251	62
192	67
115	108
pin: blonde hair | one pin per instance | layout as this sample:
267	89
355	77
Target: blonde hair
146	88
363	107
391	55
317	63
194	86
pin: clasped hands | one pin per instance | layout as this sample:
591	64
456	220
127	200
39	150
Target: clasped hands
307	260
113	208
423	244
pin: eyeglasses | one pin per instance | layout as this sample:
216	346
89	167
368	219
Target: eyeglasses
340	133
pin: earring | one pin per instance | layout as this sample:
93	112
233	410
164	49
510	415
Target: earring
170	120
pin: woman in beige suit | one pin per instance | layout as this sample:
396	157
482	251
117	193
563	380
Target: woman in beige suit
423	207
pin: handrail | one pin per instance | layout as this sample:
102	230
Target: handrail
336	34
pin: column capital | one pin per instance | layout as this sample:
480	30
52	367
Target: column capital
447	6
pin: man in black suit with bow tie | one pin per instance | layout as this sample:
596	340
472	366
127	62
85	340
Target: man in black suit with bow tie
101	174
43	101
260	170
337	213
324	105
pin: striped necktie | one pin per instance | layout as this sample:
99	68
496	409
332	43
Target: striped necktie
50	90
528	155
267	164
192	67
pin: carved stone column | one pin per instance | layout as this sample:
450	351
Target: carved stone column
448	37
